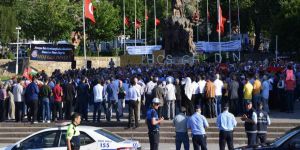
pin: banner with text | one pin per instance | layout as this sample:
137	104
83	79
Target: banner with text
50	52
202	46
142	50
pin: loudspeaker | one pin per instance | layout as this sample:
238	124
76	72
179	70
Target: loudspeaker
73	65
89	64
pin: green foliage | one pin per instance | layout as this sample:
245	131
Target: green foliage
10	55
8	23
50	20
286	26
108	22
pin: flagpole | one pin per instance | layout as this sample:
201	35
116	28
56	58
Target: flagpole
229	20
84	47
207	21
197	23
167	8
124	17
239	22
146	15
219	23
134	22
155	22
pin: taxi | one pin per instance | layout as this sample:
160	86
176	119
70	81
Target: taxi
91	138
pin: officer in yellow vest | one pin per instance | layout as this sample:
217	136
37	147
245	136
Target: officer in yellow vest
73	134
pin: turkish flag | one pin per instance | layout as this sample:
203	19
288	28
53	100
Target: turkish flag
138	24
127	21
146	17
89	10
157	22
221	21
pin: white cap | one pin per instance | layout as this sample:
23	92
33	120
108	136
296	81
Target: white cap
156	100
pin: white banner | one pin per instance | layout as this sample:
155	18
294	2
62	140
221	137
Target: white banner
142	50
202	46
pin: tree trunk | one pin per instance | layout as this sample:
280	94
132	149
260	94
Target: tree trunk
257	28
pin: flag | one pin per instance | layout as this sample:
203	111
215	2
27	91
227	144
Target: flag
127	21
89	10
157	22
221	21
138	24
29	73
146	16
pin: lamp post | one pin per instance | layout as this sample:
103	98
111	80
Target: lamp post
17	60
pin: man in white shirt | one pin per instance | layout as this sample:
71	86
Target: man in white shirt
219	86
132	99
201	84
138	88
98	100
18	92
170	98
148	92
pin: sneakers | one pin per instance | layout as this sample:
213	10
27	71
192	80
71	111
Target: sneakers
48	121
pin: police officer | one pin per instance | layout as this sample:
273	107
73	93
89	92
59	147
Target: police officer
226	122
250	119
197	123
73	134
153	123
263	120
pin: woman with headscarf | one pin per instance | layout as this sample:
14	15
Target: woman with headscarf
187	98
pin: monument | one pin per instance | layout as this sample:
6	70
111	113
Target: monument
178	28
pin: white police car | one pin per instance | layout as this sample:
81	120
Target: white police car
91	138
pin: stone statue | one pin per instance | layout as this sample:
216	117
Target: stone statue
178	28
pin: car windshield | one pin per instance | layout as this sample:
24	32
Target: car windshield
282	139
110	135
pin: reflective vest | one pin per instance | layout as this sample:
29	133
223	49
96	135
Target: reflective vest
262	121
250	127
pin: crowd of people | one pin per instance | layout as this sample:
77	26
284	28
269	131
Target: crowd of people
47	98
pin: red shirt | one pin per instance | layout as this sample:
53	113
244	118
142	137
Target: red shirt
57	93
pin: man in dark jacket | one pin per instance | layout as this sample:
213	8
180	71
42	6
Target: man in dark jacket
32	96
69	94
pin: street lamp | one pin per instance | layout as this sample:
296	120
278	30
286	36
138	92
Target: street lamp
17	61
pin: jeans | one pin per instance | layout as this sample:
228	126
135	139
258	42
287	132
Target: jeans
46	109
133	106
171	109
177	107
199	140
182	137
19	111
290	100
256	99
265	104
218	105
112	104
97	109
210	108
226	136
251	138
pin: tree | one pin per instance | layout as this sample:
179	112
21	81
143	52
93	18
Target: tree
108	22
286	26
50	20
8	23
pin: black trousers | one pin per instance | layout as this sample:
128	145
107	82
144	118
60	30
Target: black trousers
199	141
234	105
2	110
133	110
211	113
19	114
57	106
153	140
33	106
261	138
68	105
226	137
189	108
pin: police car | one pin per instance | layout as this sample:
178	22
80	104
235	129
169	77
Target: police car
91	138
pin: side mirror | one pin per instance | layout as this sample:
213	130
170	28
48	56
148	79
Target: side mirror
295	145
